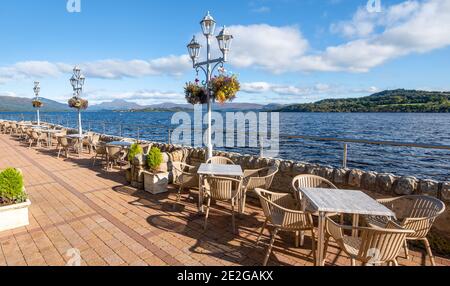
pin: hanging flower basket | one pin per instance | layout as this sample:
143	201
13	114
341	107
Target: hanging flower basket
225	88
78	103
37	103
195	94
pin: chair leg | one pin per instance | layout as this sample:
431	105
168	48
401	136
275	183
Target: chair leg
353	262
244	199
302	238
297	239
261	232
430	253
395	262
233	219
325	247
405	246
269	250
208	206
180	188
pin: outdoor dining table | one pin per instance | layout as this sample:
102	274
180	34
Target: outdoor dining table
216	170
326	201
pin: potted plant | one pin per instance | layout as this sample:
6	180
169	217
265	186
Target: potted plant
13	200
155	181
78	103
195	94
37	103
224	88
135	150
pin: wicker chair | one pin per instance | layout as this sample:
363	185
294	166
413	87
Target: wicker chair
63	145
283	214
114	155
37	138
100	151
185	176
416	213
374	246
220	161
222	189
260	178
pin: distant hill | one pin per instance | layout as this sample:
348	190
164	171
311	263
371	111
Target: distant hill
20	104
399	100
118	104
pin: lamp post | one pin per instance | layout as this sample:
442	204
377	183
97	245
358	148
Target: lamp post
224	39
37	89
77	81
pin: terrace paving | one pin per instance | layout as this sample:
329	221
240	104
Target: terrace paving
77	206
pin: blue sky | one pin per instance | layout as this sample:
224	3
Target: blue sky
285	51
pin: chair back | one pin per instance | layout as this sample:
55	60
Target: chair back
223	189
262	178
310	181
281	210
374	246
220	161
416	212
382	245
63	142
113	152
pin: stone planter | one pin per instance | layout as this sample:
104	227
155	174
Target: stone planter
14	216
156	183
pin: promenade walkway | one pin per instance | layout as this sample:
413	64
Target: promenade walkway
77	207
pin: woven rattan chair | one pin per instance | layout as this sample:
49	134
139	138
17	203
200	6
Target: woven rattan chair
185	176
100	152
373	247
63	145
222	189
253	179
220	161
37	138
283	214
416	213
114	155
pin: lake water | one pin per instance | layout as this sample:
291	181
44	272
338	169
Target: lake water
411	128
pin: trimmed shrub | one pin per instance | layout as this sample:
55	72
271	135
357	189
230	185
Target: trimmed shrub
11	187
135	150
154	159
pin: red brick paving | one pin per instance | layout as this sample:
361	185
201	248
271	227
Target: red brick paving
77	206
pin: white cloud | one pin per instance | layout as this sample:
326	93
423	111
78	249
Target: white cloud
105	69
318	90
266	47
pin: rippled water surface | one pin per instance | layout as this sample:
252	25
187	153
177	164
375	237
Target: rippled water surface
411	128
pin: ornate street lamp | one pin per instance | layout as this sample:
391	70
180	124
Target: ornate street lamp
36	102
77	81
224	39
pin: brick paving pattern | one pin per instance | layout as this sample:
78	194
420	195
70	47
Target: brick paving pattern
77	206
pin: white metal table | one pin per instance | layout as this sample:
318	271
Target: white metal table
216	170
326	201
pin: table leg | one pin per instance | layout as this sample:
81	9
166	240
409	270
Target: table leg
355	232
200	194
321	241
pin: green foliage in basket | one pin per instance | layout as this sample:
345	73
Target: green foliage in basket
154	159
135	150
